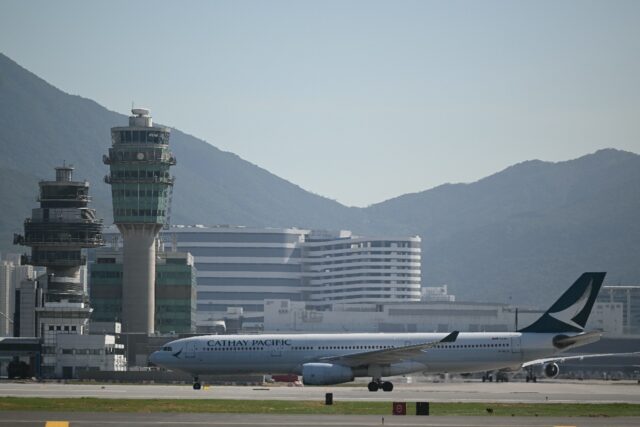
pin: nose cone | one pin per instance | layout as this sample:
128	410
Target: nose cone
154	357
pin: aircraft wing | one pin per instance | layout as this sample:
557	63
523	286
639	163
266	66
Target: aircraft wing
388	355
577	357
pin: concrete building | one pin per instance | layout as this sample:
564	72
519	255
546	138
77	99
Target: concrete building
11	276
360	270
442	316
175	290
607	317
240	267
20	357
57	233
629	297
75	353
436	293
176	293
7	304
141	186
291	316
30	297
105	285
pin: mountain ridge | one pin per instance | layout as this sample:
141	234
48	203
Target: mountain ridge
533	225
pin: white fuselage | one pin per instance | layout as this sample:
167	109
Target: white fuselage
287	353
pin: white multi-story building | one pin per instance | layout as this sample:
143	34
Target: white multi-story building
55	320
341	268
11	275
241	267
7	306
88	352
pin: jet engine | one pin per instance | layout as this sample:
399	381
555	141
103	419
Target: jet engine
551	370
325	374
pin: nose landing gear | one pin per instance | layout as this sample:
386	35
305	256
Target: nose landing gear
196	384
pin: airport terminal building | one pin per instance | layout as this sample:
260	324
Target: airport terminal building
238	268
290	279
422	316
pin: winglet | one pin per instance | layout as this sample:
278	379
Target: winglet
451	337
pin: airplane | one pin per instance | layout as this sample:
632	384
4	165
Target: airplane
328	359
548	367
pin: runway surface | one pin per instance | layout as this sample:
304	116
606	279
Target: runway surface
24	419
556	391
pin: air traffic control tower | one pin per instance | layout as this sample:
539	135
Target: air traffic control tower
57	233
141	185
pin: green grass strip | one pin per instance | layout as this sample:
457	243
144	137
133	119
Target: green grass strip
89	404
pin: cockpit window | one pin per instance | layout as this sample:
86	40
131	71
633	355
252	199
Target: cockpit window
167	348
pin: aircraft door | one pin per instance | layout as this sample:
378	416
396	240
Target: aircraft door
276	351
516	346
190	350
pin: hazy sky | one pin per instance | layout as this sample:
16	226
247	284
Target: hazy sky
359	101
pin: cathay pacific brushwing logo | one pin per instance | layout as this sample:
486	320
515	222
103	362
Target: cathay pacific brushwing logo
567	315
177	353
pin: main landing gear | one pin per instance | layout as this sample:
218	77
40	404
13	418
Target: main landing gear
377	384
196	384
530	376
500	377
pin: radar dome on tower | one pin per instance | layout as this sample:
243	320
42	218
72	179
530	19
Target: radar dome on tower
140	118
140	111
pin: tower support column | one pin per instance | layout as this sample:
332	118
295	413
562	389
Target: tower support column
139	266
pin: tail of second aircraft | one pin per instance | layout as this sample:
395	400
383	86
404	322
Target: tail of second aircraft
571	311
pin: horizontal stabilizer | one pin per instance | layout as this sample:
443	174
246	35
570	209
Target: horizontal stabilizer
564	341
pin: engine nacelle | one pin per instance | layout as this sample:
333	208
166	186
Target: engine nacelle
551	370
325	374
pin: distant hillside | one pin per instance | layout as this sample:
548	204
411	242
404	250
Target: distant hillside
527	232
521	234
40	126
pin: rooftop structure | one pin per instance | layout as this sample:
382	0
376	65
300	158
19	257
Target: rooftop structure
436	293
